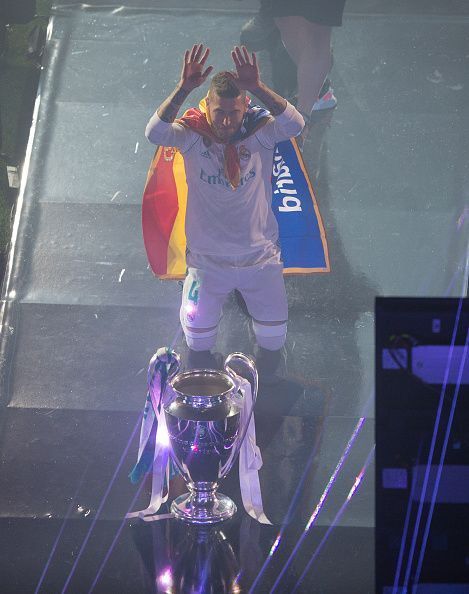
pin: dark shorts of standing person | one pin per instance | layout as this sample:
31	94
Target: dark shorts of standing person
322	12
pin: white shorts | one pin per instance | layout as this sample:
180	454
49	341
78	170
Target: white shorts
258	277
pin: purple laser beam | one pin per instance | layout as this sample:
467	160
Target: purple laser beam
59	535
440	468
431	452
337	517
406	528
101	505
295	497
116	537
109	487
322	499
286	521
111	548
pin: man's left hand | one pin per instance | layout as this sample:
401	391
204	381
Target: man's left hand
247	71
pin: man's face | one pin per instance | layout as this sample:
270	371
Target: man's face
226	114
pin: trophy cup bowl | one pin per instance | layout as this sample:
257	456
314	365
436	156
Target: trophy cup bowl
206	420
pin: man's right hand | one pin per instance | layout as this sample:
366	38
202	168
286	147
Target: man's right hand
193	74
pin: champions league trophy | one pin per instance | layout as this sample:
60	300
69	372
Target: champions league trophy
202	418
207	419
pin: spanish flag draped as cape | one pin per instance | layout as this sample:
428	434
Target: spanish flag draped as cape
301	232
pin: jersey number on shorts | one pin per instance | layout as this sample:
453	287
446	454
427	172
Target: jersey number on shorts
194	292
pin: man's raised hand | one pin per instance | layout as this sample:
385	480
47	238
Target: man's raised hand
193	74
247	71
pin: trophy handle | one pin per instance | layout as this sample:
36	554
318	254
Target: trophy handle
249	364
165	356
175	364
168	356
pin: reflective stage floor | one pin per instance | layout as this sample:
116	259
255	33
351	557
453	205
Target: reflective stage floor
82	314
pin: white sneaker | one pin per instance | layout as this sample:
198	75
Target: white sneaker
326	101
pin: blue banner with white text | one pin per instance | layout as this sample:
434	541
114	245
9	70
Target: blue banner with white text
302	236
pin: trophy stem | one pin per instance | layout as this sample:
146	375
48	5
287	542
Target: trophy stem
203	505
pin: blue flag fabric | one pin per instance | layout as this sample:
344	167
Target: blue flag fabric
302	236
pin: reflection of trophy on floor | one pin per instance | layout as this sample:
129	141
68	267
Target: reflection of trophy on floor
202	417
207	563
178	558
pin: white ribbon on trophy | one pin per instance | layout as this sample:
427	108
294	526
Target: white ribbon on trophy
250	462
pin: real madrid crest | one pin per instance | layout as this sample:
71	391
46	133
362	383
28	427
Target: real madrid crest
244	153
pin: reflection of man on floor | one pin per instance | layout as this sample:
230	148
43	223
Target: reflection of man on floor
231	230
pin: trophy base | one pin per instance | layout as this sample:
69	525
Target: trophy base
217	509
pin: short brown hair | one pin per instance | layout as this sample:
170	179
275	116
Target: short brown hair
222	84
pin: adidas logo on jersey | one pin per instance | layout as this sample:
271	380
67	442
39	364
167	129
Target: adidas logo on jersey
205	154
